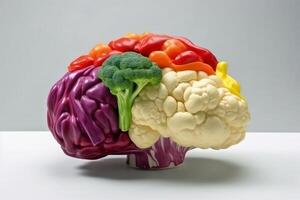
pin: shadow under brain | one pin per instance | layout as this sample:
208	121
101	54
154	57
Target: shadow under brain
193	170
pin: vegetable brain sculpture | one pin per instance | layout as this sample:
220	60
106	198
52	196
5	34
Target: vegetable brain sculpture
151	97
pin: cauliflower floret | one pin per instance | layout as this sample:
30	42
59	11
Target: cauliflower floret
201	96
143	136
191	108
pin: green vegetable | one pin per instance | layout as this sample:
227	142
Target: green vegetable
126	75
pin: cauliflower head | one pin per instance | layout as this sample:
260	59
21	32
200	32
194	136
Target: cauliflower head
192	109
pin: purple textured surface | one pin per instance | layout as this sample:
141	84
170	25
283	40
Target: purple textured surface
83	118
163	154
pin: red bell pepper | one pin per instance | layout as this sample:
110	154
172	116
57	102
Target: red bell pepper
205	54
81	62
187	57
100	60
151	43
123	44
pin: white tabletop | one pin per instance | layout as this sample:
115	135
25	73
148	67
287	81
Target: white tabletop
263	166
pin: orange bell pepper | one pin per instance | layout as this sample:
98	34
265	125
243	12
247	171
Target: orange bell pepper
99	50
163	60
173	47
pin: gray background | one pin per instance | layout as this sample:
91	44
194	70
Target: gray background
260	39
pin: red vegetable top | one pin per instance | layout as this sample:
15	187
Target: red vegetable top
166	51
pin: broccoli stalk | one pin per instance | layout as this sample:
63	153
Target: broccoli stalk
126	75
124	106
125	101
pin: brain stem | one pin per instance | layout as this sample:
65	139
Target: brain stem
163	154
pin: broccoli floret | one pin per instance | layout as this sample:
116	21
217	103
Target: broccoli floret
126	75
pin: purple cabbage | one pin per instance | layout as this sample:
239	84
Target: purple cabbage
163	154
83	118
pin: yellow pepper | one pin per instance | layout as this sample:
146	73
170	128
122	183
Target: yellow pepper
229	82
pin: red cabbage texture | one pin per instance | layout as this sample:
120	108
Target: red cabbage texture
82	115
